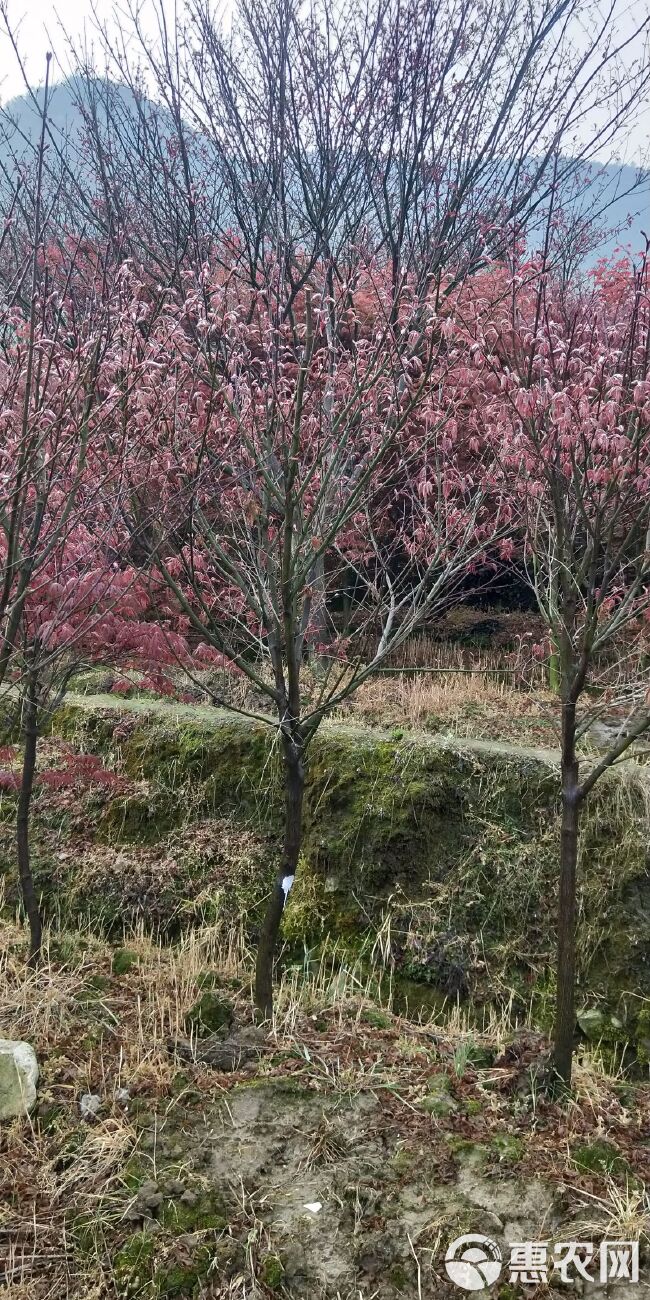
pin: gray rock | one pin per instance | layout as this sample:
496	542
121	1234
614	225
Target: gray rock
148	1199
439	1100
18	1078
225	1055
591	1021
122	1096
90	1105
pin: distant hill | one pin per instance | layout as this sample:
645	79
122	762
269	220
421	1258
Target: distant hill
22	122
628	201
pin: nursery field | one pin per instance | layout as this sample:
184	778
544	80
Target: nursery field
325	651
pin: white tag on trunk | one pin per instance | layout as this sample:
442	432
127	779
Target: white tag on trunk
287	882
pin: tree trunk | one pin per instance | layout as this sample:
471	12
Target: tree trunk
319	620
294	785
566	925
30	900
554	680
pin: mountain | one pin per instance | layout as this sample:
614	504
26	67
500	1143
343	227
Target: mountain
622	190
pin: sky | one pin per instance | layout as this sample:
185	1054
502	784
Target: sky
45	24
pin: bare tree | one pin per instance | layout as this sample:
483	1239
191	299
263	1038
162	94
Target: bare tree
570	424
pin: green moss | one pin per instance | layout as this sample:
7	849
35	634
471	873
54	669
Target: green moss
152	1270
182	1280
204	1214
143	818
124	959
480	1056
402	1162
272	1271
92	990
508	1148
470	835
467	1150
599	1157
133	1267
210	1014
473	1106
229	765
84	1230
643	1035
134	1173
398	1277
375	1018
308	909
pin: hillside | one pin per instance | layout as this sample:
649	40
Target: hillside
623	192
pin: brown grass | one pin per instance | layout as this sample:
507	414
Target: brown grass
334	1032
459	704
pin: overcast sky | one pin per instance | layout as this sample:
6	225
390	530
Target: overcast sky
44	25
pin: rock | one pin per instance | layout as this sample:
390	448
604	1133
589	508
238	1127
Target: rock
18	1078
592	1023
90	1105
439	1106
254	1034
439	1101
221	1054
146	1202
122	1096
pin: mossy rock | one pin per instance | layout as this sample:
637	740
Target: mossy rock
468	1152
439	1101
209	1014
600	1026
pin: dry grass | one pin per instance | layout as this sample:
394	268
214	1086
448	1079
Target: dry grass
334	1032
619	1213
473	705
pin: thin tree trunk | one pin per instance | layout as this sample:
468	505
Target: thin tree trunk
554	680
566	925
30	900
294	778
319	620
